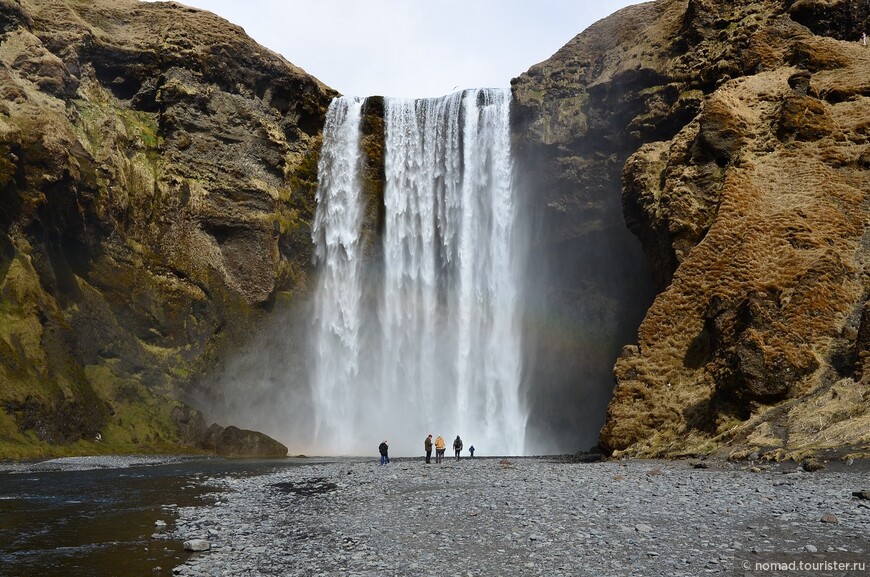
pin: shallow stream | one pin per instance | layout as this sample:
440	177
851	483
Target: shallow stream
63	518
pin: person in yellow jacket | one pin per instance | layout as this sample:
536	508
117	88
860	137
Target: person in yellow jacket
440	447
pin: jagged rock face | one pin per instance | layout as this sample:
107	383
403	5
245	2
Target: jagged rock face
588	285
748	188
157	177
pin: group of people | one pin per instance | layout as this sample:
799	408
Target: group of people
441	446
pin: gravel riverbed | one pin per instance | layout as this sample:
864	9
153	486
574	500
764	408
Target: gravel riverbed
525	516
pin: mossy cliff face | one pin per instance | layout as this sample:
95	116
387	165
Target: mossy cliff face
157	177
741	132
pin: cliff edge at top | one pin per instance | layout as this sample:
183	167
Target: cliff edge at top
157	177
741	132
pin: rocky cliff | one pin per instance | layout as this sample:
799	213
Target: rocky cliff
741	132
697	165
157	170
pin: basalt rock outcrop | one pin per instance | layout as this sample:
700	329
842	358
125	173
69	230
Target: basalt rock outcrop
157	177
235	443
741	132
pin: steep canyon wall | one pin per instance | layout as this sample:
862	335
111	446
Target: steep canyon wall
740	130
157	170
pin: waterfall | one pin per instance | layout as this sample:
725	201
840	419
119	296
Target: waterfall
337	305
436	348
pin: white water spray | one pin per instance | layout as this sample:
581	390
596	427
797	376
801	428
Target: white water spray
438	350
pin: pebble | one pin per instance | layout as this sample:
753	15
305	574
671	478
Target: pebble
537	516
197	545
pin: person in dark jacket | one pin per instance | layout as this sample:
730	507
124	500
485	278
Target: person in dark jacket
457	446
383	448
427	446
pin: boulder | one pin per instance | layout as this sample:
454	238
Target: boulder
235	443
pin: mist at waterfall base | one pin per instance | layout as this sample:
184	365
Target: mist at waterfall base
449	317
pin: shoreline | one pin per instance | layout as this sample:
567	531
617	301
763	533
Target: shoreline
121	461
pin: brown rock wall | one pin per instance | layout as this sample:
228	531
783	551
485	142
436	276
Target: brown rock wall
742	140
157	175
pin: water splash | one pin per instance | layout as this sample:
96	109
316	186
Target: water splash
439	349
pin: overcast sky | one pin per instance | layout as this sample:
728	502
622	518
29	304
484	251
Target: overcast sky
412	48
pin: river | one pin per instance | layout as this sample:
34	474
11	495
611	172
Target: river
95	517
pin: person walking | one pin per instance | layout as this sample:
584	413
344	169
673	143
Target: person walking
471	450
440	447
427	445
383	449
457	446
